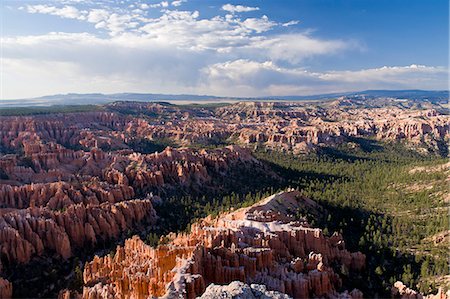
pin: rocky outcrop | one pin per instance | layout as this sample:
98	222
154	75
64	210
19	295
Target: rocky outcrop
292	126
299	127
238	289
134	173
399	290
252	245
37	231
72	180
20	131
56	201
60	195
69	294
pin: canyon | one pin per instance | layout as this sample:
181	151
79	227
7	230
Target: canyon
261	244
295	126
72	184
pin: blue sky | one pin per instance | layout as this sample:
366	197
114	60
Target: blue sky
227	48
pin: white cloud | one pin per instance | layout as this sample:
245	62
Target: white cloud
397	75
97	15
250	78
290	23
238	8
69	12
259	25
295	47
180	51
160	4
178	2
127	63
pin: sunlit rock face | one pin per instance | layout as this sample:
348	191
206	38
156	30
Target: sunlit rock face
262	244
238	289
291	126
73	180
55	200
298	127
36	231
399	290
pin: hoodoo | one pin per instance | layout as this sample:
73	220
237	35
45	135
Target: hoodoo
262	244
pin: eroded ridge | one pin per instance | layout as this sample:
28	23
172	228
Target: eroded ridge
262	244
69	199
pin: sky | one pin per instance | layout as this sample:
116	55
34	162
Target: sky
223	48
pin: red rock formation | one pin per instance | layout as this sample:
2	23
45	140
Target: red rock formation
61	199
299	127
290	126
35	231
253	245
68	294
60	195
69	179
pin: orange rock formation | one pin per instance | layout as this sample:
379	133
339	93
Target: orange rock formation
260	244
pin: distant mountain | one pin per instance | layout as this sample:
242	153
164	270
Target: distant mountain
98	98
430	95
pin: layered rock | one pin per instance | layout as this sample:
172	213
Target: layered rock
17	131
37	231
299	127
60	195
97	177
262	244
293	126
54	199
142	172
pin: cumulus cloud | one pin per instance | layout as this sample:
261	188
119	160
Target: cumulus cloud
296	47
238	8
250	78
69	12
97	15
267	78
258	24
181	51
177	2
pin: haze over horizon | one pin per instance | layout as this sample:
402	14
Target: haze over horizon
226	48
